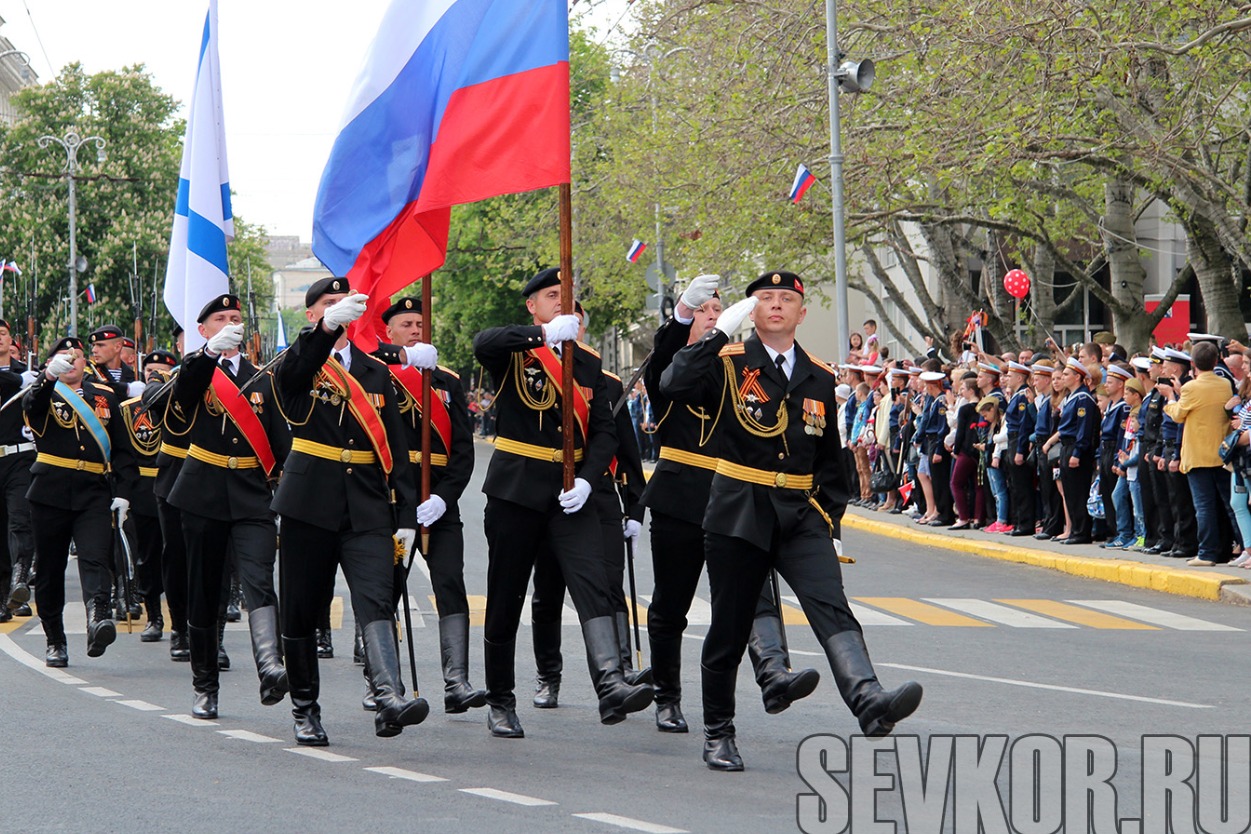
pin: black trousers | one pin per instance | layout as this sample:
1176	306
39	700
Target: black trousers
737	569
91	530
308	559
446	561
548	600
516	536
940	475
209	545
148	546
1053	505
1165	521
1076	482
1021	490
1150	512
1107	483
17	538
173	563
1185	525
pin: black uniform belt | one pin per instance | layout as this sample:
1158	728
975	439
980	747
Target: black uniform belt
688	458
528	450
781	480
72	463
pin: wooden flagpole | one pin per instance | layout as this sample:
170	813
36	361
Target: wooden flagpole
425	409
566	308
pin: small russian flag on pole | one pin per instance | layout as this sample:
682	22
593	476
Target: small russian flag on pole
11	266
636	251
91	293
803	181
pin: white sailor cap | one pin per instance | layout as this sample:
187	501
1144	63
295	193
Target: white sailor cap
1076	365
1042	369
1178	356
1157	354
1204	337
915	370
1142	363
933	376
870	369
989	368
1019	367
1117	370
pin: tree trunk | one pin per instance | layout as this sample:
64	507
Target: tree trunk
1042	295
1214	271
1126	275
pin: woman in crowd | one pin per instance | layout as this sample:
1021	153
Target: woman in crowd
966	472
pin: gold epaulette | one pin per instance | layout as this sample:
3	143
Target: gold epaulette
733	349
611	374
589	349
449	372
821	364
128	403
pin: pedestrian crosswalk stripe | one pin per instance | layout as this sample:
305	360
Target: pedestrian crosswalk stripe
1001	614
1077	614
922	612
336	613
1155	616
793	614
864	615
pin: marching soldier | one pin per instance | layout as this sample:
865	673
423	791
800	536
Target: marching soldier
237	445
106	359
143	432
346	488
17	453
451	464
527	509
617	524
677	496
83	474
777	497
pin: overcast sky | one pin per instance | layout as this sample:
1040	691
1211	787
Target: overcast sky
287	68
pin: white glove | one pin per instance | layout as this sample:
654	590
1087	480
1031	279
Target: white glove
631	528
228	338
135	389
431	510
732	318
561	329
29	377
59	365
407	537
122	507
700	290
573	499
421	355
345	311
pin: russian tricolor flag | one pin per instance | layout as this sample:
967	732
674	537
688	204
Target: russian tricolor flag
91	293
459	100
803	181
636	251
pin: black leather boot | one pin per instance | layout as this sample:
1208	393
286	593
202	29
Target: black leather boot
720	748
57	655
667	674
367	701
877	709
395	712
779	686
302	674
156	621
223	660
549	664
617	699
497	662
632	677
458	695
358	647
19	586
179	652
263	624
233	612
204	670
325	643
101	630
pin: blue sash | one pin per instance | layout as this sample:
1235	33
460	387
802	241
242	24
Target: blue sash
88	418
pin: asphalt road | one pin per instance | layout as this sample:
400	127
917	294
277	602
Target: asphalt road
106	744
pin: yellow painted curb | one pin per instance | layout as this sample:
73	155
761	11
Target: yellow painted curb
1121	571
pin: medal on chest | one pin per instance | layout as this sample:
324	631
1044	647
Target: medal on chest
814	417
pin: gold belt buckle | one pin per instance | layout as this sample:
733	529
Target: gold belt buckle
558	456
82	464
345	456
779	479
232	462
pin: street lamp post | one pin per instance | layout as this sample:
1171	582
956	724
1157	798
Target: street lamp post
70	144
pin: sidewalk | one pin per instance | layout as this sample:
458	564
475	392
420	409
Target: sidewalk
1125	567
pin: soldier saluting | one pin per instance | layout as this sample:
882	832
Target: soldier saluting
83	473
777	497
346	488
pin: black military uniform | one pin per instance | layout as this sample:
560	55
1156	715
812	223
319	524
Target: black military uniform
451	465
118	378
523	513
1160	525
82	462
143	431
1079	432
677	496
625	472
237	444
345	490
777	497
17	453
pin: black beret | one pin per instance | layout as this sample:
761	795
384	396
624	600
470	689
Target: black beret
324	287
577	308
128	342
401	305
178	331
776	281
160	357
66	343
5	324
549	277
226	301
109	331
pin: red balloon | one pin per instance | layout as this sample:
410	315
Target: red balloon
1016	282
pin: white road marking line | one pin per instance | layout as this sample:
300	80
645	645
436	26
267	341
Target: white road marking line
142	706
633	824
27	659
401	773
870	616
248	735
1155	616
505	796
100	692
1075	690
1002	614
191	720
318	753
